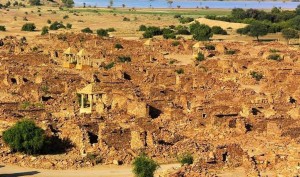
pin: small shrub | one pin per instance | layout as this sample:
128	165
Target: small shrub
230	52
25	105
66	17
185	158
179	71
111	30
94	158
86	30
56	25
102	32
169	36
109	66
126	19
256	75
62	37
210	47
274	50
25	137
2	28
274	56
142	28
177	16
118	46
45	30
172	62
175	43
49	21
69	25
218	30
124	59
186	20
200	57
28	27
143	166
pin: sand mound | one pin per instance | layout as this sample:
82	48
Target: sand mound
222	24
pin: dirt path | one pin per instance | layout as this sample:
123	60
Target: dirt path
98	171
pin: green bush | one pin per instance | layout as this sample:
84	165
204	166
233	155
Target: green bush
66	16
126	19
109	66
87	30
111	30
200	32
256	75
102	32
210	47
144	166
45	30
175	43
56	25
179	71
25	137
152	31
28	27
274	56
185	158
142	28
274	50
186	19
69	25
169	36
35	2
177	16
218	30
124	59
2	28
200	57
230	52
68	3
118	46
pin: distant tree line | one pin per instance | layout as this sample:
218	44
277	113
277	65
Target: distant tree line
275	21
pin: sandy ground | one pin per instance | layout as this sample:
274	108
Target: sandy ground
222	24
14	20
98	171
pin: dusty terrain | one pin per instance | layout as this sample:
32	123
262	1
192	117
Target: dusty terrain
163	102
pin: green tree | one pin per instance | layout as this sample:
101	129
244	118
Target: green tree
25	137
201	32
28	27
289	33
298	10
144	166
238	13
295	22
68	3
257	29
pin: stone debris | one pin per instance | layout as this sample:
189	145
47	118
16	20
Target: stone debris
108	111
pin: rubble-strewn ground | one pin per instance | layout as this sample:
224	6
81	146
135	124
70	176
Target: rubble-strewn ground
215	109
